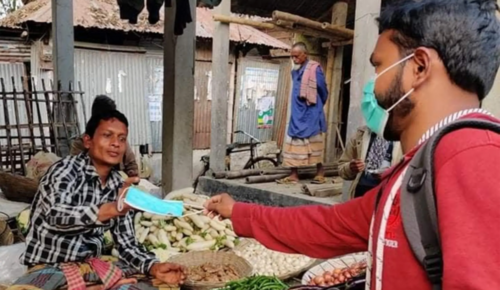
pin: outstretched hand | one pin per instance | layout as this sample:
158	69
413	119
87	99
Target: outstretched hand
221	204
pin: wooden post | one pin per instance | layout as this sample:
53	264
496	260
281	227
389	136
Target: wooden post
220	89
178	105
334	79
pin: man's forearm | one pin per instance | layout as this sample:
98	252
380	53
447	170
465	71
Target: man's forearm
109	211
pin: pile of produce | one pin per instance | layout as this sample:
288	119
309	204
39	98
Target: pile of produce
257	283
339	276
213	273
167	236
270	263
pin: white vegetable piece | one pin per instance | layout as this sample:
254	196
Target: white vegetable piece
201	246
147	215
115	253
146	223
137	218
187	232
162	236
170	228
143	236
197	221
184	225
217	225
230	233
178	236
153	228
153	239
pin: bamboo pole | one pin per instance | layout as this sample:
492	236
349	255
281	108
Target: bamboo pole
335	30
243	21
242	173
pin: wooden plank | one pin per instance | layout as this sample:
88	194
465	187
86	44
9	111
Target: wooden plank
16	115
335	30
7	121
243	21
220	88
334	80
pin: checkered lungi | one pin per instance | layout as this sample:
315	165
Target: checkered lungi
303	151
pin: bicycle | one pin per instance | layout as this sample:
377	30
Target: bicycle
253	162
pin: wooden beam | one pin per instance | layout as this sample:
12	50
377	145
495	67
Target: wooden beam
333	29
335	60
220	89
243	21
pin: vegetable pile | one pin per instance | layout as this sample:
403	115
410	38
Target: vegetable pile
212	273
339	276
257	283
271	263
167	236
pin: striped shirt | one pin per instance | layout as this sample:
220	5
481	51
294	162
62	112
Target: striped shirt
63	225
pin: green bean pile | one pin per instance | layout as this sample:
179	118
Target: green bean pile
257	283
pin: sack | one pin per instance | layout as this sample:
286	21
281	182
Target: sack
418	203
39	164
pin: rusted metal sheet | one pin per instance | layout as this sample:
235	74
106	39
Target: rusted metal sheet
282	101
256	97
104	14
120	76
154	87
202	105
14	51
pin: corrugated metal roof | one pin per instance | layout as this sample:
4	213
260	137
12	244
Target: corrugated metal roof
104	14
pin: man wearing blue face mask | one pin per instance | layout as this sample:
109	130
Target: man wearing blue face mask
435	61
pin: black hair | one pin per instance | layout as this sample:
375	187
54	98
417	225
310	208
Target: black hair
96	119
302	46
465	34
102	103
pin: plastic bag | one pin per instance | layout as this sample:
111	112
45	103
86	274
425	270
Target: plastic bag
39	164
10	265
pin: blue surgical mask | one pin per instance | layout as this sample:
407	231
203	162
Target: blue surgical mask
146	202
375	116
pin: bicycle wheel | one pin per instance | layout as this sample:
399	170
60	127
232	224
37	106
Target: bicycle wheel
261	162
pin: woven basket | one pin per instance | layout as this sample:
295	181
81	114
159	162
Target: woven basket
247	242
194	259
18	188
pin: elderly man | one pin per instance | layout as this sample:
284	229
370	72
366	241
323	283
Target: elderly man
101	104
304	142
75	205
435	61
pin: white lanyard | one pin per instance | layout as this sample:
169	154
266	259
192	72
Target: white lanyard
381	238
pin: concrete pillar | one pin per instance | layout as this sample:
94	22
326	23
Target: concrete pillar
220	89
63	61
178	102
365	39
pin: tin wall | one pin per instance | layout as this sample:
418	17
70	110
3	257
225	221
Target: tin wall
121	76
257	90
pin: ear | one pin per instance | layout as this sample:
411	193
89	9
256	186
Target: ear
87	141
423	65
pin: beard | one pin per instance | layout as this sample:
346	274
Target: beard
296	66
394	127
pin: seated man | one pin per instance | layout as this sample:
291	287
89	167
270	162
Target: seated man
366	156
75	205
128	164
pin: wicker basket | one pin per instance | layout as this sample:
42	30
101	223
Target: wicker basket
18	188
194	259
247	242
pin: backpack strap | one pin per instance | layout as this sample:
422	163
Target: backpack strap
418	203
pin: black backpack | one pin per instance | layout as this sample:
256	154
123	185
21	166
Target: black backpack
418	204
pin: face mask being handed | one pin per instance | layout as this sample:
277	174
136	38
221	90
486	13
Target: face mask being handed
375	116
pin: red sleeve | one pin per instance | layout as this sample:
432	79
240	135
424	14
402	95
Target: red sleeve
316	231
468	196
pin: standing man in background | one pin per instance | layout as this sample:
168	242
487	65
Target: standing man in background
304	142
365	158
